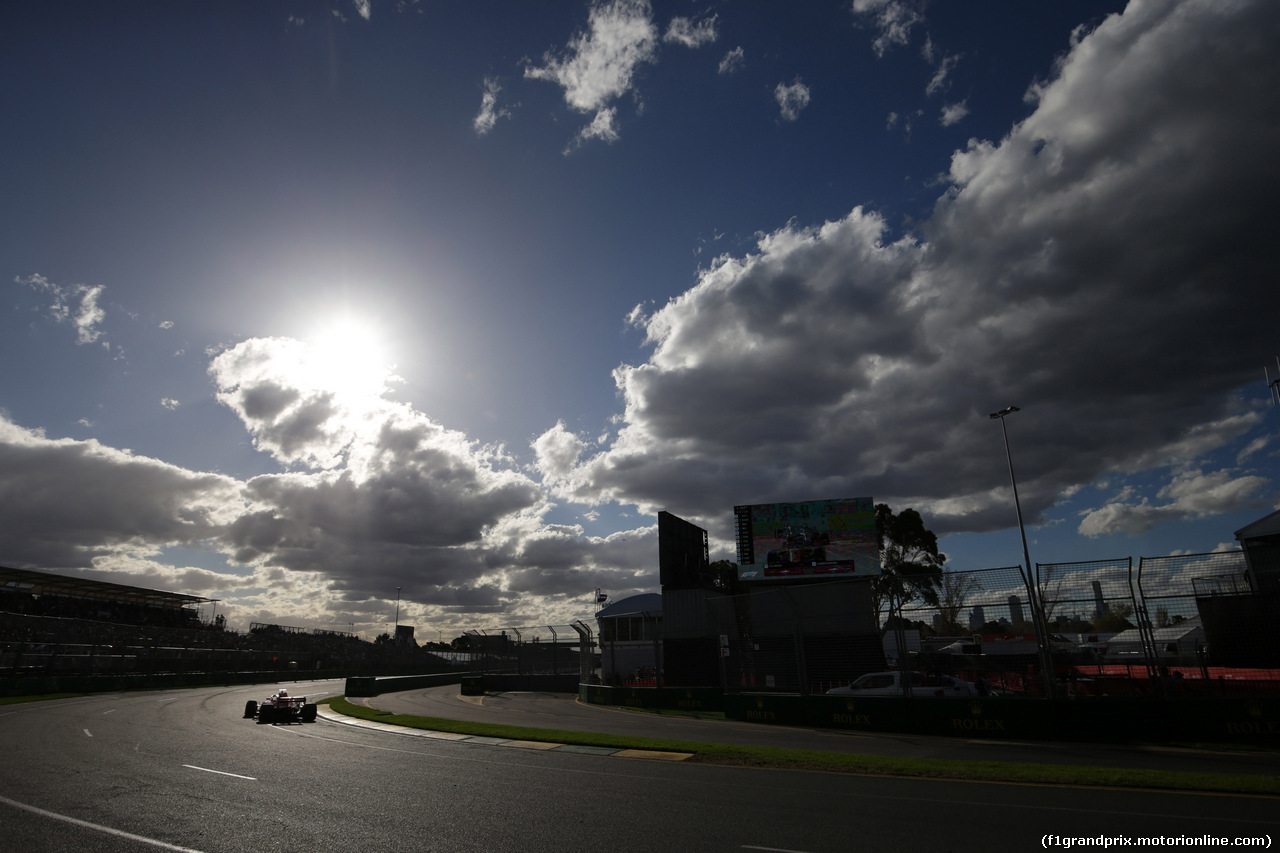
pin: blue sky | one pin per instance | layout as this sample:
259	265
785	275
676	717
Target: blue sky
304	302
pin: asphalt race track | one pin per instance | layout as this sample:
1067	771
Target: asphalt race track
180	770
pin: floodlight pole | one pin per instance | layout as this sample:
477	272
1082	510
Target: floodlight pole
1033	584
397	611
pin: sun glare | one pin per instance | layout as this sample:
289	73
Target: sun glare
349	356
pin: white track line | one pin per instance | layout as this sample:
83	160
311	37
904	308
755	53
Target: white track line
118	833
222	772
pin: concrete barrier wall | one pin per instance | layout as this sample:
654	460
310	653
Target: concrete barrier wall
667	698
473	684
370	686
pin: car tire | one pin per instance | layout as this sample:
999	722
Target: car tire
309	712
250	709
266	714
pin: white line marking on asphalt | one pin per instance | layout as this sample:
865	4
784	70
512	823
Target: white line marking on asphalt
118	833
87	732
222	772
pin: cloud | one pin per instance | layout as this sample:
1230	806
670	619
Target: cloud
732	62
557	452
387	492
791	99
938	83
67	502
490	112
376	495
893	21
600	65
691	33
1190	494
602	127
1105	266
953	114
76	304
364	8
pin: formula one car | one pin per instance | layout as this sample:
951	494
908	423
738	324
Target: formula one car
281	708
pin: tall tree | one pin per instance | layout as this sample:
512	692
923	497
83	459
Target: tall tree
724	576
910	563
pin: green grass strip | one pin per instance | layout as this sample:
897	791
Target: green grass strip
829	762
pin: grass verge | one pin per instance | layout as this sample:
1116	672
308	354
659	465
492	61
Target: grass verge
790	759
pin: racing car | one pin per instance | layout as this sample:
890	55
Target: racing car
281	708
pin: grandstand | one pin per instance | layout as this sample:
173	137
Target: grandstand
54	628
42	594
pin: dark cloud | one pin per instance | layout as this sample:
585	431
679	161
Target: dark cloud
1107	266
67	502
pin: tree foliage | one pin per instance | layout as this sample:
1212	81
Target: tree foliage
910	563
724	576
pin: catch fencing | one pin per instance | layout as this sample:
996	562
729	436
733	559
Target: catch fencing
1190	625
544	650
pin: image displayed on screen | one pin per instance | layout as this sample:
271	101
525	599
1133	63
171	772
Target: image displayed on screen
811	538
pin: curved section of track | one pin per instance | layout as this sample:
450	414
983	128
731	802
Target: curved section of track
181	770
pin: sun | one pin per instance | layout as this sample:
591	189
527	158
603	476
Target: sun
349	356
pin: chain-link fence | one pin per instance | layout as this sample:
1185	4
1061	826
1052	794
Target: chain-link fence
530	651
978	626
1208	627
1171	626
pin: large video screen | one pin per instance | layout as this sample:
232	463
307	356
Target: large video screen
808	539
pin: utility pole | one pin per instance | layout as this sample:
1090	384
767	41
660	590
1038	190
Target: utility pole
1033	584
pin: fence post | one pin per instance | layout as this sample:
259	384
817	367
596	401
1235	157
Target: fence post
1146	636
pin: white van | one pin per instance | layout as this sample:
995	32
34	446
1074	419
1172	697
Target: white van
890	684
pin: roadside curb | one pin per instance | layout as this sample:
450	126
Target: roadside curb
324	712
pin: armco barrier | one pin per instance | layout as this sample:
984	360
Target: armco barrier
1254	721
